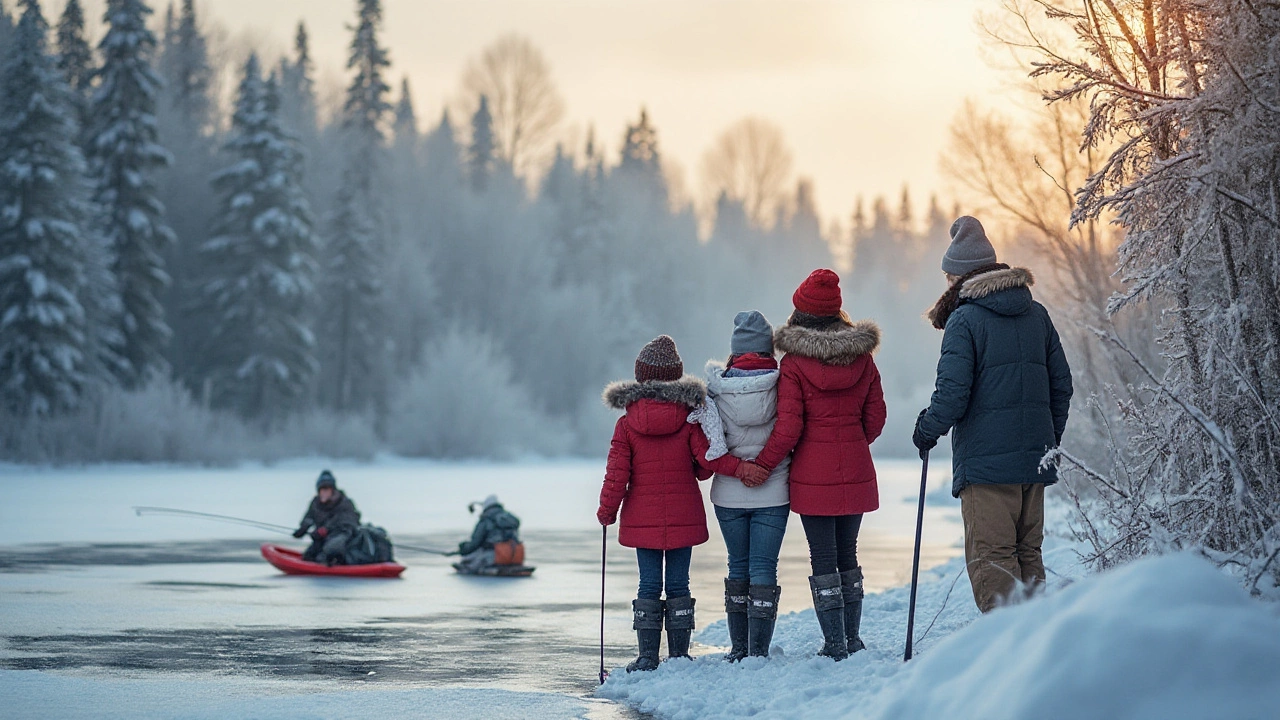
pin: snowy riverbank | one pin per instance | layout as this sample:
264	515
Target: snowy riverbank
1168	638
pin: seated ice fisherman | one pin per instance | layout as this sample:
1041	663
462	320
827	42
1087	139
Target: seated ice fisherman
334	518
496	526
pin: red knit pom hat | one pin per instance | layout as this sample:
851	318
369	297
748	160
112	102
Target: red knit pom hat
819	294
659	360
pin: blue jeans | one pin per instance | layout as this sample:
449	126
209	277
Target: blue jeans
651	575
754	538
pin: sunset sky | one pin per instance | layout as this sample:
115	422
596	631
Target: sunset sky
863	89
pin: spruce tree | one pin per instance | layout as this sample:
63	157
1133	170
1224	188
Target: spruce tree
75	58
185	66
481	153
355	346
258	266
124	155
297	89
43	333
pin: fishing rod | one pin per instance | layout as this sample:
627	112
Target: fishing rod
148	510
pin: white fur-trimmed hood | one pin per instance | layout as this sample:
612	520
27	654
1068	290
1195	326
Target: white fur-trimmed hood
688	390
838	345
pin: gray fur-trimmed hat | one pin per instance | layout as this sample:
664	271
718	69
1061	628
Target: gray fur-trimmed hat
970	249
752	333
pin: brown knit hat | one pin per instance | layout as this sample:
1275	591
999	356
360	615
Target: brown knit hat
659	360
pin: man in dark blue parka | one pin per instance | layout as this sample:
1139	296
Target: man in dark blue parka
1003	391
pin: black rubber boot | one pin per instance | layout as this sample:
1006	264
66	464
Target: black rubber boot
828	603
735	610
679	626
851	589
762	613
646	620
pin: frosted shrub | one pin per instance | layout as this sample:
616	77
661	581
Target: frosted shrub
463	402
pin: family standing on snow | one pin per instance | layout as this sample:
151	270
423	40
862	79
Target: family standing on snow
795	436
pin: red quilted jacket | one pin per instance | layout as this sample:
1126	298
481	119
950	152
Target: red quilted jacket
655	462
830	409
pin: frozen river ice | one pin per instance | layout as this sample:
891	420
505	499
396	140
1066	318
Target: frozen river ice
118	611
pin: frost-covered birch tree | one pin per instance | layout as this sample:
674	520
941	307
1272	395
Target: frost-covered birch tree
123	156
258	266
1190	90
43	327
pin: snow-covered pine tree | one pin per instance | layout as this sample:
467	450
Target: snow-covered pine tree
354	348
123	155
43	334
298	91
257	268
482	151
184	65
410	256
185	116
75	58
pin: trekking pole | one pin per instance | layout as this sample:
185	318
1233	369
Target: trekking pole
604	548
915	559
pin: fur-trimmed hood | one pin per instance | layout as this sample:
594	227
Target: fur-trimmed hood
838	345
985	284
690	391
982	286
718	384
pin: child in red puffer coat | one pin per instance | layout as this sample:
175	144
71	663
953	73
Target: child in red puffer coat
655	462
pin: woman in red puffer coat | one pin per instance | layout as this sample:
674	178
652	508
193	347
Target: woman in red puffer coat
830	409
655	462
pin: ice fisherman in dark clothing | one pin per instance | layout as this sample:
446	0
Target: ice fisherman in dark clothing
334	519
496	525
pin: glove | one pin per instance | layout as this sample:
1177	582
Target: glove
922	443
753	475
300	532
606	516
462	548
322	533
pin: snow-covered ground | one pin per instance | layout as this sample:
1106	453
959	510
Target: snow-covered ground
1168	638
107	612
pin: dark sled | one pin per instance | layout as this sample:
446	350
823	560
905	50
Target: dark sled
497	570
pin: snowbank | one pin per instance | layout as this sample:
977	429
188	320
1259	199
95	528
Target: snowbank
1164	638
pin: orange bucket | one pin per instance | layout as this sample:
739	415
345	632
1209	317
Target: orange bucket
508	552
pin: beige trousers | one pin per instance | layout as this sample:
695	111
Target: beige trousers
1003	532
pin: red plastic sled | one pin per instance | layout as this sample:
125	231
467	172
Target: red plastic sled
290	562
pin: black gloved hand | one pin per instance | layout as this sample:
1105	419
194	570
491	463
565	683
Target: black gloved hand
300	532
922	443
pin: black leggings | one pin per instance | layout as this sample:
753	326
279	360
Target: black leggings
833	542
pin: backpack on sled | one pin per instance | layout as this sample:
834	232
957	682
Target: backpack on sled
369	544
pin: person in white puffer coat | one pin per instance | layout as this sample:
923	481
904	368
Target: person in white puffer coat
753	517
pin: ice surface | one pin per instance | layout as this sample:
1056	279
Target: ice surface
124	609
46	695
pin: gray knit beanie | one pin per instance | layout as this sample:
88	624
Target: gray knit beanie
752	333
970	249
